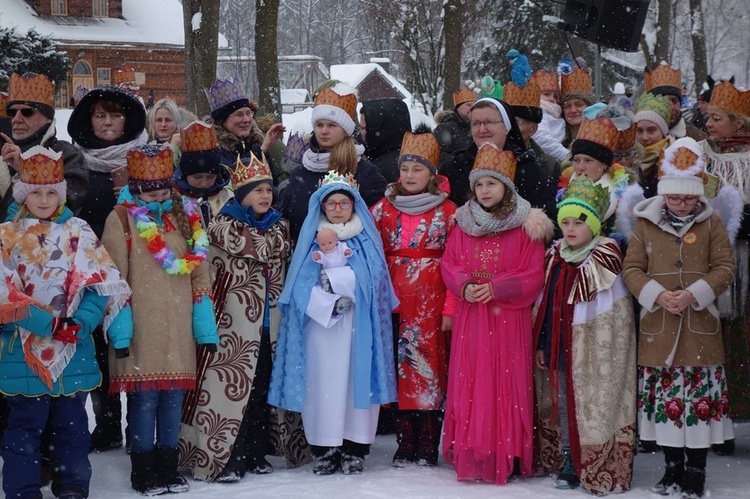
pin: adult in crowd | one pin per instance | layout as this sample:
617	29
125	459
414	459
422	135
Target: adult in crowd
107	123
165	120
577	95
31	109
332	148
667	81
551	130
383	123
453	131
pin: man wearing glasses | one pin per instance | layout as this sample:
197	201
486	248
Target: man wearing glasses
31	109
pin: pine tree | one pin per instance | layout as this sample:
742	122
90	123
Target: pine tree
30	53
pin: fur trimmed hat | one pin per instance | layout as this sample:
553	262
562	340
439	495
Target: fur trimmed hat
337	104
682	169
40	167
79	124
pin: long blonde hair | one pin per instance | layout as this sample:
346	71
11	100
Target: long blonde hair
343	159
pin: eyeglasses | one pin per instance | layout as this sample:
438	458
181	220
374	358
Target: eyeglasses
26	112
486	123
103	116
332	205
623	155
242	114
682	200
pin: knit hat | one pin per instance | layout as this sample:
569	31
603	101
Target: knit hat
422	148
586	201
681	169
462	96
663	80
79	124
199	150
577	85
331	104
150	168
547	81
725	96
655	108
34	90
491	161
225	97
246	177
40	167
596	138
524	101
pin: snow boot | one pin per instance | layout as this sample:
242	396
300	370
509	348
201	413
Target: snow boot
168	460
428	438
725	449
403	423
327	460
674	471
695	473
144	476
353	457
567	478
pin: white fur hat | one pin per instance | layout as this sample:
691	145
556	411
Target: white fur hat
681	169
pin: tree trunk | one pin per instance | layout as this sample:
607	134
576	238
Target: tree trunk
453	34
201	51
266	57
663	24
698	37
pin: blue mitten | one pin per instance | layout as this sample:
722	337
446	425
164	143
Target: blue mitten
204	324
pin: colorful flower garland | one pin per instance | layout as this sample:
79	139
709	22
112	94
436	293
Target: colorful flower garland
162	254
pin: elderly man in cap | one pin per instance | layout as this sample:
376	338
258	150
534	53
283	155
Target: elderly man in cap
31	109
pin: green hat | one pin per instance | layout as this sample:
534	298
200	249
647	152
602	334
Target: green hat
586	201
655	108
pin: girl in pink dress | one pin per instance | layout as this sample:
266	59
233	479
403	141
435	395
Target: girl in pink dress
495	265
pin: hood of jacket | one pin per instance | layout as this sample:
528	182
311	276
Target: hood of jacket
387	121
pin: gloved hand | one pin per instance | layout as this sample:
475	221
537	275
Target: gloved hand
121	353
343	305
211	348
325	283
65	329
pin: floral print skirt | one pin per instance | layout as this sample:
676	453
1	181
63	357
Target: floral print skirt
683	406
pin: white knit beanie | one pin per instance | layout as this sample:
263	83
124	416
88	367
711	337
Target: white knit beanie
682	169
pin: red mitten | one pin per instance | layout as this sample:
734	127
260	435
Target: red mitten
65	330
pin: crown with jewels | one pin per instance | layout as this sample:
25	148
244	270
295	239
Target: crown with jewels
255	171
463	95
583	191
579	81
626	138
296	147
601	131
222	92
662	76
489	157
547	81
198	136
726	96
335	178
31	87
528	96
41	166
346	102
150	163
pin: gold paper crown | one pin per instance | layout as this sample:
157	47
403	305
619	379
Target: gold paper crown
579	81
463	95
684	158
547	81
528	96
124	76
662	76
583	190
3	103
346	102
626	138
151	162
41	166
489	157
198	136
255	171
36	88
600	131
424	145
726	96
334	178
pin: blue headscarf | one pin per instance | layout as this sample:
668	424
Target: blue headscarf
372	360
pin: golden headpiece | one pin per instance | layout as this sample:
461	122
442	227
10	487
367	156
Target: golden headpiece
601	131
41	166
528	96
255	171
626	138
662	76
491	160
579	81
422	148
547	81
31	87
463	95
3	103
346	102
725	96
150	168
198	136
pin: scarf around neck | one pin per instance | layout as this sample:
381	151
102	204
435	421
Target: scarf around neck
318	161
416	204
343	231
571	255
108	158
475	221
246	215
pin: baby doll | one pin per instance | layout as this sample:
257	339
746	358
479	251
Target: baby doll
333	253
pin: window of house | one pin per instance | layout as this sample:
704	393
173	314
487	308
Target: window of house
82	68
59	7
102	76
100	8
61	97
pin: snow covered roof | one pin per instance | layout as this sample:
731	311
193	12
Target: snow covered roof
354	74
294	96
144	21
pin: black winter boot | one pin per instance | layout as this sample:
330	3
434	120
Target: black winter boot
725	449
144	476
257	415
428	437
168	459
674	471
353	457
403	422
695	473
567	478
327	460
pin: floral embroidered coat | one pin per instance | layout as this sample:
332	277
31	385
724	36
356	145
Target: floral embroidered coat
413	247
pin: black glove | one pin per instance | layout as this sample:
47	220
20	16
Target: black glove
325	283
342	306
121	353
210	348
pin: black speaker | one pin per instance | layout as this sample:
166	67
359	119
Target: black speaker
613	23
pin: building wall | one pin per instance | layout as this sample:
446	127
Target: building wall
375	86
76	8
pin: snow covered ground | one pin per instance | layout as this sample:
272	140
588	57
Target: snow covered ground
728	477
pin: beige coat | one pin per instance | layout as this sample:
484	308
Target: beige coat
698	258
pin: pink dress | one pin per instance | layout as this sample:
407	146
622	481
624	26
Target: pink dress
489	412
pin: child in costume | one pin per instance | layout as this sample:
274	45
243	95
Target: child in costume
334	357
156	238
249	248
679	260
495	265
414	220
585	351
58	285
